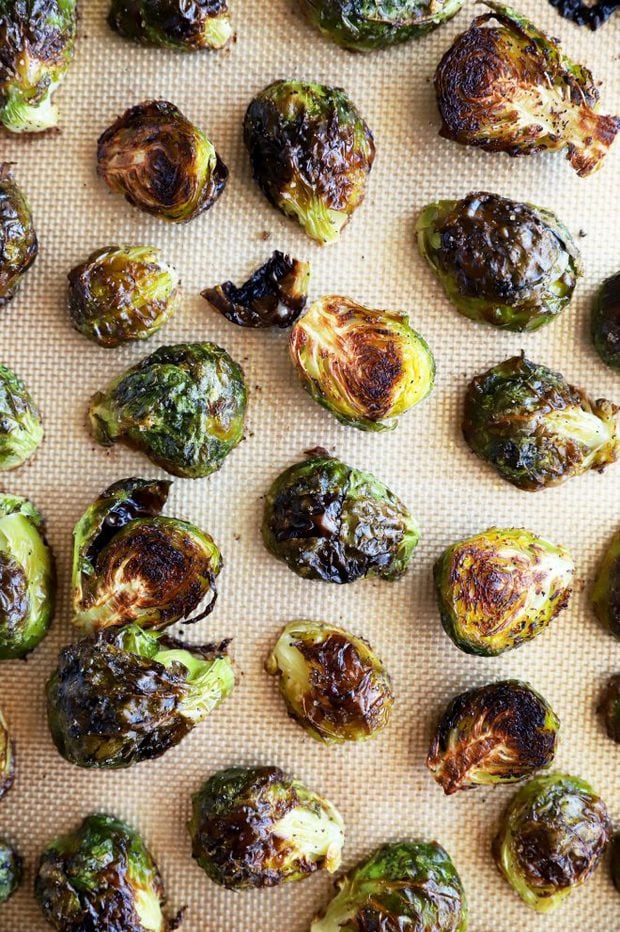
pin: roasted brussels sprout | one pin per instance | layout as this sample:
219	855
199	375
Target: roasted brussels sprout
11	870
7	758
175	24
183	406
274	296
534	428
27	578
605	323
615	861
121	294
332	682
510	89
311	154
499	733
403	885
20	422
162	163
329	521
552	838
610	708
18	241
606	590
501	588
258	827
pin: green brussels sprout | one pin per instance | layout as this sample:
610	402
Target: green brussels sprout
11	870
509	88
175	24
501	588
258	827
18	241
38	40
534	428
311	154
365	366
329	521
615	861
274	296
552	838
605	595
20	422
498	733
121	294
501	262
7	759
605	322
27	578
183	406
404	885
364	25
332	682
609	707
162	163
128	695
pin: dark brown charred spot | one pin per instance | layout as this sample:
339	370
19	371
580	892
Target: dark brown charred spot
609	707
180	21
488	588
125	501
592	15
14	601
606	321
371	370
33	30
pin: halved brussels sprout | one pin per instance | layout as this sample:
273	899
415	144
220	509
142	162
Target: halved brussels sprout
27	578
332	682
534	428
162	163
403	885
176	24
329	521
510	89
18	241
183	406
311	153
365	366
615	861
609	707
121	294
258	827
21	431
605	323
499	733
606	590
7	758
501	588
552	839
11	870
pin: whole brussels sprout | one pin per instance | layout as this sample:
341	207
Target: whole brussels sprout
403	885
7	758
615	861
534	428
37	38
605	323
606	590
501	588
175	24
183	406
498	733
162	163
365	366
510	89
27	578
18	241
552	838
332	682
258	827
311	154
363	25
11	870
329	521
610	707
121	294
21	431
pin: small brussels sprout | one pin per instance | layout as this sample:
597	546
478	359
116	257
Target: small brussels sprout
499	733
501	588
7	758
329	521
615	861
121	294
183	406
274	296
510	89
552	838
162	163
27	578
605	323
311	154
403	885
332	682
11	870
258	827
610	707
18	241
175	24
606	590
534	428
365	366
21	431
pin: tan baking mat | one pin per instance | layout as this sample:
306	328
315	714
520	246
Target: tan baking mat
382	788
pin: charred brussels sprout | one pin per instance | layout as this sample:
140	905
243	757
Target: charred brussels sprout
610	708
329	521
121	294
11	870
175	24
7	758
499	733
162	163
552	838
20	422
606	590
311	153
183	406
605	324
18	240
510	89
258	827
615	861
534	428
332	682
404	885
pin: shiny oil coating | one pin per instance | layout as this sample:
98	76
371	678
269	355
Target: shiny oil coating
18	240
186	25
